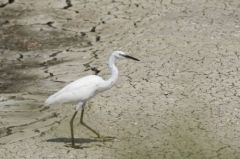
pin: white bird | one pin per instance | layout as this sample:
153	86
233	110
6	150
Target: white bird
81	90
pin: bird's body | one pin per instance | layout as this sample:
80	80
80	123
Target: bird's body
81	90
77	91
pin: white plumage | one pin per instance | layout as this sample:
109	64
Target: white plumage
81	90
77	91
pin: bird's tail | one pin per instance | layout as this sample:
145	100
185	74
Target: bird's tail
50	100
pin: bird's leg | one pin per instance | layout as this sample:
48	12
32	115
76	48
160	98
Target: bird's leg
71	126
81	121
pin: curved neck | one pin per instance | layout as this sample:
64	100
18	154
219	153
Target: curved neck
114	74
114	71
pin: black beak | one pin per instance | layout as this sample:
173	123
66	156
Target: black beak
130	57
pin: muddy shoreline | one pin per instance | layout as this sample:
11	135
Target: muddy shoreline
180	101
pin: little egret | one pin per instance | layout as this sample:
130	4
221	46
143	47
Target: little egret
81	90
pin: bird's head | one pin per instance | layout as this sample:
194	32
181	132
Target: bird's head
123	55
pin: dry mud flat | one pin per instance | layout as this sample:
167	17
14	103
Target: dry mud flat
180	101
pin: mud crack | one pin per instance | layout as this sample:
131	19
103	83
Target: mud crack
69	4
5	4
92	68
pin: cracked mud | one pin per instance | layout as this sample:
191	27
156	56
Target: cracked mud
180	101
